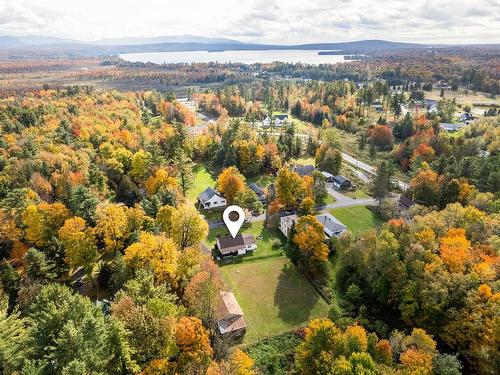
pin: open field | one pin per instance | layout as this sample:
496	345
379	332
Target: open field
357	218
463	96
202	180
274	296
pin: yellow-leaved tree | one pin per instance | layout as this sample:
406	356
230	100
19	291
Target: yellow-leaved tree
230	182
158	253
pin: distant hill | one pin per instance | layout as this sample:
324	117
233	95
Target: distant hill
22	41
162	39
50	46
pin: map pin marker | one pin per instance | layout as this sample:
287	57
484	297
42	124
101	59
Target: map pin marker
233	226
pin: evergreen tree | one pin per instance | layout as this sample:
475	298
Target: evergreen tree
381	182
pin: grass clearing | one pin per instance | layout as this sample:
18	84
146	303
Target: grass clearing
263	180
202	180
357	194
274	296
358	219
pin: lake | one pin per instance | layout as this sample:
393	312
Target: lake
245	57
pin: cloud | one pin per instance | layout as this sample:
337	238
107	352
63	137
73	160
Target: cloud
262	21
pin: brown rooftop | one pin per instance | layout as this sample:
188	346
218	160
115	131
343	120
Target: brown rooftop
229	314
229	244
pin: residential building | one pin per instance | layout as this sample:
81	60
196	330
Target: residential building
280	120
210	198
239	245
405	202
340	182
261	194
332	226
328	176
450	127
286	223
229	315
266	122
304	170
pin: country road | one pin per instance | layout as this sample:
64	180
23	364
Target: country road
357	164
325	208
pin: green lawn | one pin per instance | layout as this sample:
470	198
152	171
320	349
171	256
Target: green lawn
303	161
202	180
263	180
357	218
329	199
357	194
274	296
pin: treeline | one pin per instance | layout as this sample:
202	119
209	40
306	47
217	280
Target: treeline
438	272
92	205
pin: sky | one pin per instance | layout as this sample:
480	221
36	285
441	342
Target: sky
259	21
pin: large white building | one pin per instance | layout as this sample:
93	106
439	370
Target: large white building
332	227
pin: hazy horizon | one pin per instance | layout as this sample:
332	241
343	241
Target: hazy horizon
267	22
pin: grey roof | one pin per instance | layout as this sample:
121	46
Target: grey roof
331	225
340	179
282	117
304	170
207	194
229	244
405	201
327	174
256	188
450	127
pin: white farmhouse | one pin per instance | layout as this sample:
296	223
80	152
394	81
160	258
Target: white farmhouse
210	198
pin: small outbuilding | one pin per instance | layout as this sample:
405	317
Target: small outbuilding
230	317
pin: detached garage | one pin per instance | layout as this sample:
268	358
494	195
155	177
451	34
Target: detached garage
340	182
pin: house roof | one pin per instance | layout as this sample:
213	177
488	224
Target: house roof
207	194
229	244
450	127
229	313
405	201
289	219
256	188
327	174
331	225
229	305
340	179
231	325
282	117
304	170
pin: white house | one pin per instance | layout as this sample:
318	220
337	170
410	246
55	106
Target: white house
286	223
239	245
280	120
266	122
210	198
451	127
332	227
